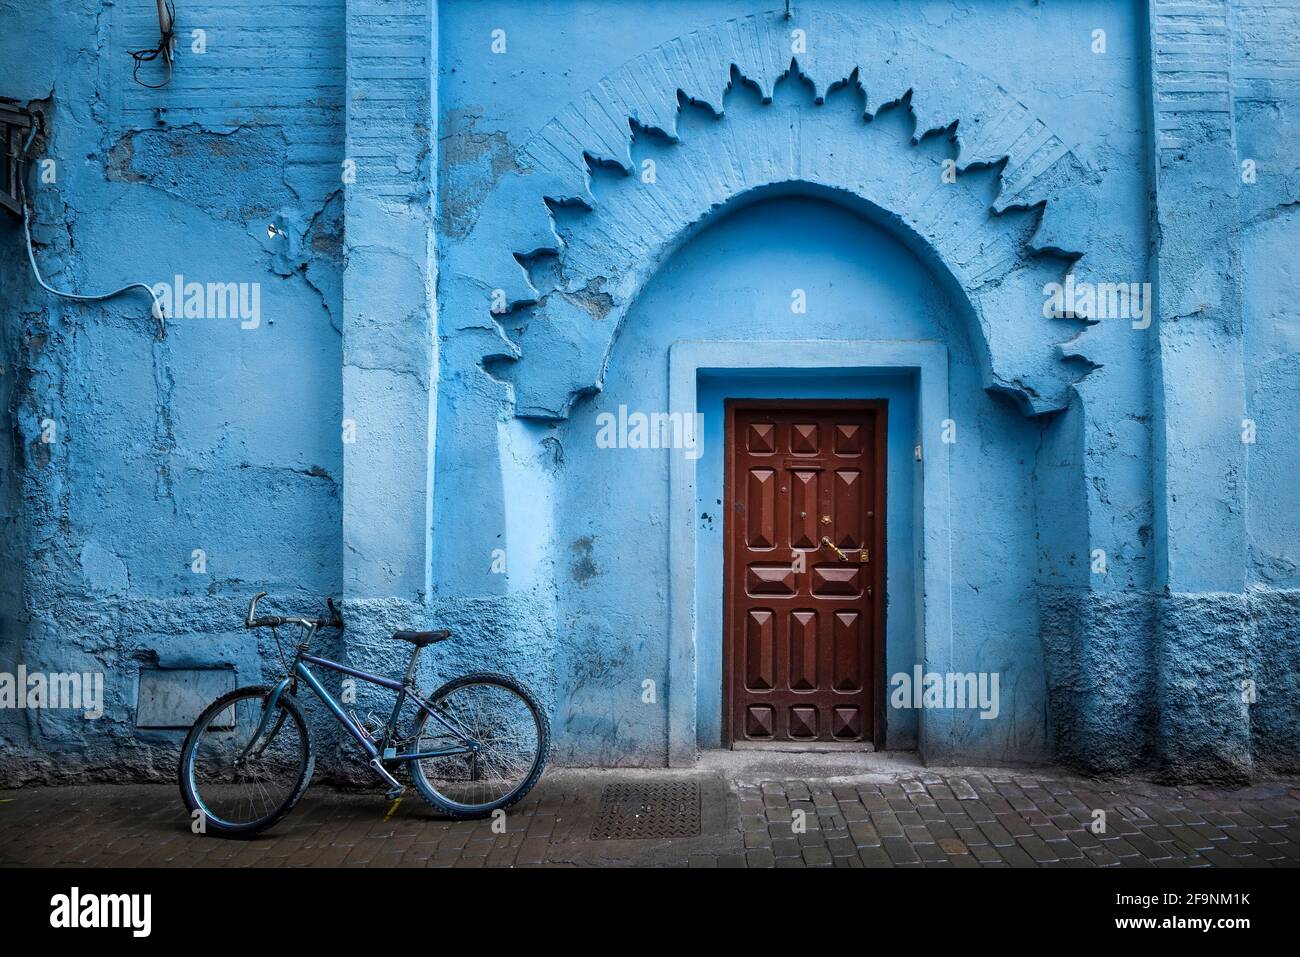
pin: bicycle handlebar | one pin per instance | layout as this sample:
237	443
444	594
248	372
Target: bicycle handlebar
275	621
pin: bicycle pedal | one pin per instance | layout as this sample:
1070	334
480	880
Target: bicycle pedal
396	798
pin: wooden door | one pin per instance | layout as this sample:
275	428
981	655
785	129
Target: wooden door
803	643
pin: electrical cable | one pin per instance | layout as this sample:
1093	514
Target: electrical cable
159	312
167	31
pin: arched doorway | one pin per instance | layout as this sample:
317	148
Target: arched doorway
796	303
594	215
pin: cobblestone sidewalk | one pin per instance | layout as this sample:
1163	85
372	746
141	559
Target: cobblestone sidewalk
916	818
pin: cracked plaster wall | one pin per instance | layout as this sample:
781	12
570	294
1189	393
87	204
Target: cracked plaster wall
218	438
228	440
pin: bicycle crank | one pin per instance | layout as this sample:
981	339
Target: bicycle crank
396	789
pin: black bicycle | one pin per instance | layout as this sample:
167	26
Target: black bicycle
477	744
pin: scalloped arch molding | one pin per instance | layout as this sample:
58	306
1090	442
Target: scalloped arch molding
563	335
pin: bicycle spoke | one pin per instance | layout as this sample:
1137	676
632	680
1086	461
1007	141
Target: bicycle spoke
502	725
243	793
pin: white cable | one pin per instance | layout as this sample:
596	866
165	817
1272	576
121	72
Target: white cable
159	312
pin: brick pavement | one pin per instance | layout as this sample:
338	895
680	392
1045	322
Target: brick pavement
909	818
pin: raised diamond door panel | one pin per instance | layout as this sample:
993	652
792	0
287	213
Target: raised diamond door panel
803	509
762	508
760	650
803	650
804	577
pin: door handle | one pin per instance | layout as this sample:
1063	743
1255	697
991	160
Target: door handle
863	554
829	544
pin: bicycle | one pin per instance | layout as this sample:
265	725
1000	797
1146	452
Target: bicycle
479	743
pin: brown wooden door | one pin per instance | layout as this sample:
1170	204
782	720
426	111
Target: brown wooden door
803	648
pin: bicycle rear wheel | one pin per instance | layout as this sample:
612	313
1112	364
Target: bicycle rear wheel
242	790
513	736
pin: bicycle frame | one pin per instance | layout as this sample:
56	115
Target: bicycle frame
387	751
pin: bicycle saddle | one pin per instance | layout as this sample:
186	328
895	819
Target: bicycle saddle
422	638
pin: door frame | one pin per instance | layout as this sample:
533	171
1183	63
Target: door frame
930	603
880	408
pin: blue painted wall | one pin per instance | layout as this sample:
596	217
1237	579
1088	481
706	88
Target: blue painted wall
465	266
219	439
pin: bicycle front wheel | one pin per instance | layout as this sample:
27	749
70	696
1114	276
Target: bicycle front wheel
512	736
239	785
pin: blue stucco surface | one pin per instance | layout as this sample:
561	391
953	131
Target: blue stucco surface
474	227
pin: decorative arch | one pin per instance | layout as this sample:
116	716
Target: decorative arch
600	237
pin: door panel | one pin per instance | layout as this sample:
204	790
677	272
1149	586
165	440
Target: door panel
760	649
803	509
762	508
803	635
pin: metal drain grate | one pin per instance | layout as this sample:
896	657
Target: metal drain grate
639	811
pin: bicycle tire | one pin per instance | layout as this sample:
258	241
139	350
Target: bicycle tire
457	810
214	824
